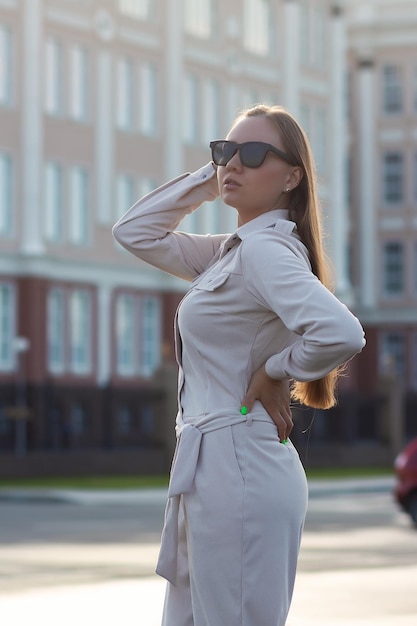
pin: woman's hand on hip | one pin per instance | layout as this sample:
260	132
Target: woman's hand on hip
274	395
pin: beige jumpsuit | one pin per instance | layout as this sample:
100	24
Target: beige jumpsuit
237	497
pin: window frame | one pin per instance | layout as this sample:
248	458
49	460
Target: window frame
199	18
79	83
390	362
79	203
393	179
257	24
142	336
6	65
54	76
392	89
80	335
8	319
53	201
6	193
56	334
393	270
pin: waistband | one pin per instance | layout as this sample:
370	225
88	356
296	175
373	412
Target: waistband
184	465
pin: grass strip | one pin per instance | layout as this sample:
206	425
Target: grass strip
161	481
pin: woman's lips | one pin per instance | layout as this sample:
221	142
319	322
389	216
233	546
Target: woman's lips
229	183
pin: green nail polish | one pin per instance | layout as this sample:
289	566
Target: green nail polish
284	441
244	410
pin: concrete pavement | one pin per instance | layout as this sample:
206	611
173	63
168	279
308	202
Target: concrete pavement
369	589
317	488
319	600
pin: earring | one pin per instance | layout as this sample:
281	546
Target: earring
287	190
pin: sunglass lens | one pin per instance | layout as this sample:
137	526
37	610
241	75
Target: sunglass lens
253	153
220	153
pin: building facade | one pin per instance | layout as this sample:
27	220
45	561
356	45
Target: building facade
383	174
100	102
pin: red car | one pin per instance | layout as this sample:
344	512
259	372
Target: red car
405	491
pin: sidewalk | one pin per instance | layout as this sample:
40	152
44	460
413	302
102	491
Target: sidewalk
320	599
366	593
317	488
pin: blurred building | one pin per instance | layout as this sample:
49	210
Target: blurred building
383	193
101	101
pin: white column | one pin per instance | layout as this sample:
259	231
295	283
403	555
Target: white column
174	89
367	222
338	210
104	140
104	334
291	58
32	130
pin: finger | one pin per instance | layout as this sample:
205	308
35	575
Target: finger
247	402
284	425
289	425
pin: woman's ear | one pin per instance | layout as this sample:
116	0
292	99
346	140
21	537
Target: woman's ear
295	176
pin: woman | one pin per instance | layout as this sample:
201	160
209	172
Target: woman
257	315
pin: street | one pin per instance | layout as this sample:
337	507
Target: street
90	558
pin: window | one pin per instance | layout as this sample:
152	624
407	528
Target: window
146	185
79	83
124	94
150	345
138	334
124	193
319	140
56	331
415	89
80	332
392	354
305	32
147	99
313	120
190	109
319	38
6	70
257	26
305	118
53	77
5	194
124	420
392	96
393	178
78	419
393	269
53	202
199	18
139	9
415	178
414	361
7	326
125	333
210	111
415	268
5	422
249	97
79	206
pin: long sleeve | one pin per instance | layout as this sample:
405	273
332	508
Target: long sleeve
147	230
277	272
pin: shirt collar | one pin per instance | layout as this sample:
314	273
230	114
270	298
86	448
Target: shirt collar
264	220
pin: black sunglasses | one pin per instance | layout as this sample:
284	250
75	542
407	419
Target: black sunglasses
252	153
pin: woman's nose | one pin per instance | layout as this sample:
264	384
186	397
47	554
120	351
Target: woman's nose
235	162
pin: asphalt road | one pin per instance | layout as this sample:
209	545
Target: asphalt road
358	562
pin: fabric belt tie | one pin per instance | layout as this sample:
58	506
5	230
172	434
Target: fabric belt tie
183	471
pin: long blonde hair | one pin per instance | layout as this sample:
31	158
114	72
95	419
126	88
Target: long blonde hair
304	210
